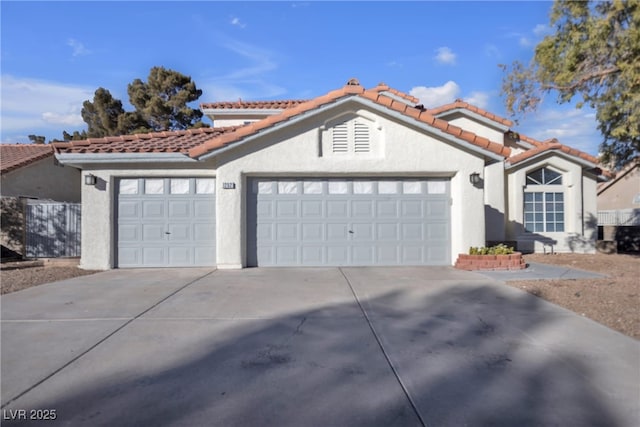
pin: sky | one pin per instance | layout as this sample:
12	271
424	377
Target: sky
54	55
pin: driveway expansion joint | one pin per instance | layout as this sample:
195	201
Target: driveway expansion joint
405	390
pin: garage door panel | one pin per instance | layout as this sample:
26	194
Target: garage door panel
287	255
129	233
362	232
153	232
129	210
388	232
179	233
204	232
179	209
312	232
312	255
312	209
164	222
153	256
387	209
153	209
287	208
337	209
337	222
337	232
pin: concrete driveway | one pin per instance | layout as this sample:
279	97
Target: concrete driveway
308	347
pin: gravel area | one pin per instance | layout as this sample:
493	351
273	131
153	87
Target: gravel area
613	301
16	279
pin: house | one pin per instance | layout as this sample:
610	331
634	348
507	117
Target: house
353	177
619	208
30	171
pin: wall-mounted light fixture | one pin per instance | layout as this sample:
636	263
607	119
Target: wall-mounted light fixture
90	179
474	178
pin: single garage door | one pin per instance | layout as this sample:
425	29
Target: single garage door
166	222
350	222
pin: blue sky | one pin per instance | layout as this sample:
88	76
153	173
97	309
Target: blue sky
54	55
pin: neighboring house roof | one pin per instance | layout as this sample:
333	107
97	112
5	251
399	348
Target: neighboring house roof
158	142
460	104
628	168
15	156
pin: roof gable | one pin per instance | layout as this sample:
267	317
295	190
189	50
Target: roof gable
15	156
460	105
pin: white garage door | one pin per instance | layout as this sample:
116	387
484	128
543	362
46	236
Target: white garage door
166	222
350	222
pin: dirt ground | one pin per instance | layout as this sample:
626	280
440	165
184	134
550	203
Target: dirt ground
613	301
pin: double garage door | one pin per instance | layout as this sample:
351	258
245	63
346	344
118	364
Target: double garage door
350	222
166	222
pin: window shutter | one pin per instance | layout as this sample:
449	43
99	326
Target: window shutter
340	142
361	138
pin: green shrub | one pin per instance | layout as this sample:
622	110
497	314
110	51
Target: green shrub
500	249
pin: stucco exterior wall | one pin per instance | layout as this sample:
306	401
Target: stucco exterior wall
621	194
43	180
295	151
579	195
494	201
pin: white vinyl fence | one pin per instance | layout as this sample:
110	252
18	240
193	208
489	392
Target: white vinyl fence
622	217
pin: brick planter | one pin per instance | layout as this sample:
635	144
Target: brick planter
491	262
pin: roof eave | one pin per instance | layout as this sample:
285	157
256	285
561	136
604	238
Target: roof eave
583	162
78	160
368	103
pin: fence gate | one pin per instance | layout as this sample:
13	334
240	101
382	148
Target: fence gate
52	229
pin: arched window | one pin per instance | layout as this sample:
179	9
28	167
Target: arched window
544	176
543	210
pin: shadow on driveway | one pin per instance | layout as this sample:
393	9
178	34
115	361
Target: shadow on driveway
467	354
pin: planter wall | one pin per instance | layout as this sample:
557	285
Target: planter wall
491	262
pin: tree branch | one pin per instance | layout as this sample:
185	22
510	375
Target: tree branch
593	75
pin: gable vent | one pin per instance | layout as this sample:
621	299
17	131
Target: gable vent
361	138
340	142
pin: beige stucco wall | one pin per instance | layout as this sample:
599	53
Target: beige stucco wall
295	151
494	201
579	208
620	194
43	180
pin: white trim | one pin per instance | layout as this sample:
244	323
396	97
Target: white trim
559	153
241	111
77	159
475	116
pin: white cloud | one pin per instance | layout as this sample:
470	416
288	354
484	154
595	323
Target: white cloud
436	96
525	42
79	49
236	22
572	127
71	119
479	99
541	30
30	104
492	51
445	56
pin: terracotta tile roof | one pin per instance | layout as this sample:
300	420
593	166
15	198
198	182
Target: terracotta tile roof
352	88
383	87
465	105
15	156
157	142
532	141
253	105
552	145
